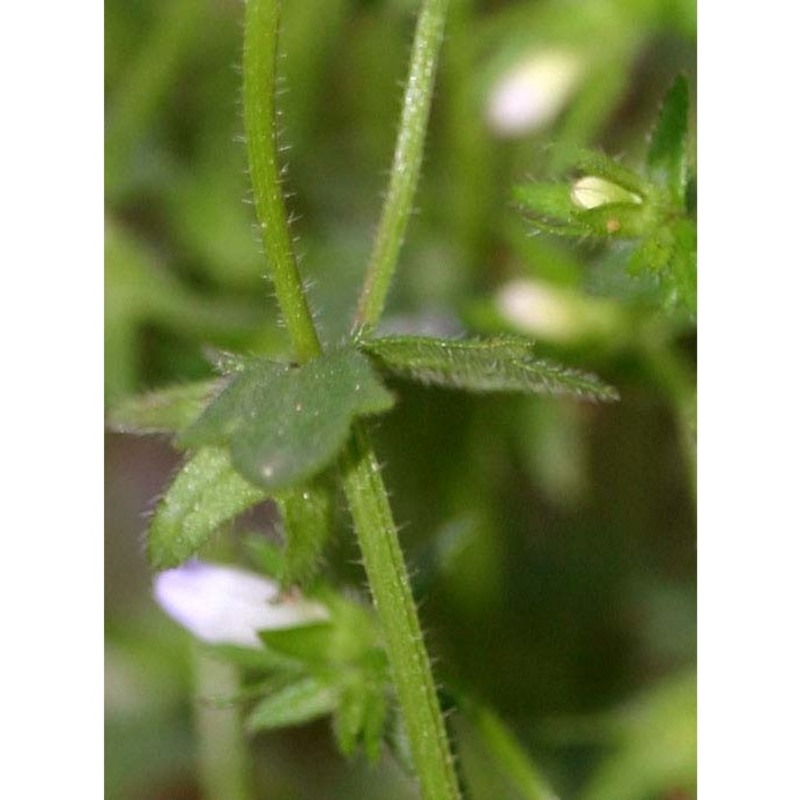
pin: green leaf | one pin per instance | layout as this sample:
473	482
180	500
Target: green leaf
307	513
667	157
285	423
295	704
163	411
203	495
312	644
504	364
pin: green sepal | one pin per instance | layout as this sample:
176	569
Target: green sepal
297	703
360	718
667	155
307	514
285	423
163	411
592	162
503	364
204	494
552	208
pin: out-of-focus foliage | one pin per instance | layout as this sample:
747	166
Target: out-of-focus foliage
552	543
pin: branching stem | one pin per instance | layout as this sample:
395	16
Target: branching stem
366	493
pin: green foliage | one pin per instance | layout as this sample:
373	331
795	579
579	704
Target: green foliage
653	211
206	492
667	156
295	704
162	411
504	364
283	423
335	667
182	274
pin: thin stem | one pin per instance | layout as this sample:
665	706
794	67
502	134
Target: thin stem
260	52
407	163
224	762
394	603
508	754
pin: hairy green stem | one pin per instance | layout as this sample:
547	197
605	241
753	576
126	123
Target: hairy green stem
223	756
407	163
260	55
394	603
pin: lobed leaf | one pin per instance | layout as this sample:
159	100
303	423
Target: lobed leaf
203	495
504	364
284	423
296	704
163	411
667	156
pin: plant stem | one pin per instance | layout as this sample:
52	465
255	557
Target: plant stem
224	762
407	163
394	603
260	54
507	753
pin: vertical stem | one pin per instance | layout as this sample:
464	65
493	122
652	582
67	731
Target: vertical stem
224	763
394	603
407	163
260	53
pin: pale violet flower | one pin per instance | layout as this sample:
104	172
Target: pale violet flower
531	94
228	605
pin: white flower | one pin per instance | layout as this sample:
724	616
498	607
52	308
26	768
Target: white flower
227	605
531	94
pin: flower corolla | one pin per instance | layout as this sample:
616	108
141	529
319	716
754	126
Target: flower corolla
222	604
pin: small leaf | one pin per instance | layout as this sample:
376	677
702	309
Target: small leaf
295	704
285	424
504	364
307	513
313	643
203	495
667	155
163	411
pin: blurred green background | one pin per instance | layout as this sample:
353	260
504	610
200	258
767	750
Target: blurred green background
552	542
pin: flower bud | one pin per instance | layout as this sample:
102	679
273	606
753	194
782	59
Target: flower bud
592	192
